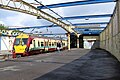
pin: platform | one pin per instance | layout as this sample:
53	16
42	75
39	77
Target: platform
77	64
95	65
5	55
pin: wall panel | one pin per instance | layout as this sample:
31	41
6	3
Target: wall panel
118	15
114	26
110	37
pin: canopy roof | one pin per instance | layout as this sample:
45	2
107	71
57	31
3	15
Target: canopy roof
89	16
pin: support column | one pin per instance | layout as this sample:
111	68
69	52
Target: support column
81	41
77	42
0	41
68	35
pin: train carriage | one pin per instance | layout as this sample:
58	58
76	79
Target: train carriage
52	45
36	46
46	46
25	44
64	44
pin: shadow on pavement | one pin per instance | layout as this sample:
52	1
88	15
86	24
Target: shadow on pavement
96	65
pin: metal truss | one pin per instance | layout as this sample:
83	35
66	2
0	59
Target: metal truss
55	34
78	25
24	7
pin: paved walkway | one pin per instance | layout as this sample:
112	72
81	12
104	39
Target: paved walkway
34	66
96	65
5	54
77	64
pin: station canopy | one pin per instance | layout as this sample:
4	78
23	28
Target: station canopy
87	16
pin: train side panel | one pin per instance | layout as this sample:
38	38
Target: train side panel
36	46
64	44
52	45
46	46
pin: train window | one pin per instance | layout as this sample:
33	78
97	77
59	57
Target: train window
34	43
17	41
45	43
38	43
49	43
42	44
24	41
52	44
63	44
55	43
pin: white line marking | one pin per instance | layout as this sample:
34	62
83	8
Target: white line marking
9	68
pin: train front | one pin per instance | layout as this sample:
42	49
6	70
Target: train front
20	46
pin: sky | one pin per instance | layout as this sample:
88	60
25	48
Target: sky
12	18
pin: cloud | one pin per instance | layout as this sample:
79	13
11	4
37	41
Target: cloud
21	19
1	22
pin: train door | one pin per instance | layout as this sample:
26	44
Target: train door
34	44
41	43
46	44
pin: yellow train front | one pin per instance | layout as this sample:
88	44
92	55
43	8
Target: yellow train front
20	46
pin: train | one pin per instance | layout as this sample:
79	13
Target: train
25	44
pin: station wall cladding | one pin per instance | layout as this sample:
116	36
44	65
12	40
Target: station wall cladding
110	37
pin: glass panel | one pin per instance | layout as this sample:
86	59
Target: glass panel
52	44
20	41
34	42
42	44
49	43
55	43
38	43
24	41
17	41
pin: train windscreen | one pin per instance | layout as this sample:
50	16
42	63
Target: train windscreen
20	41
